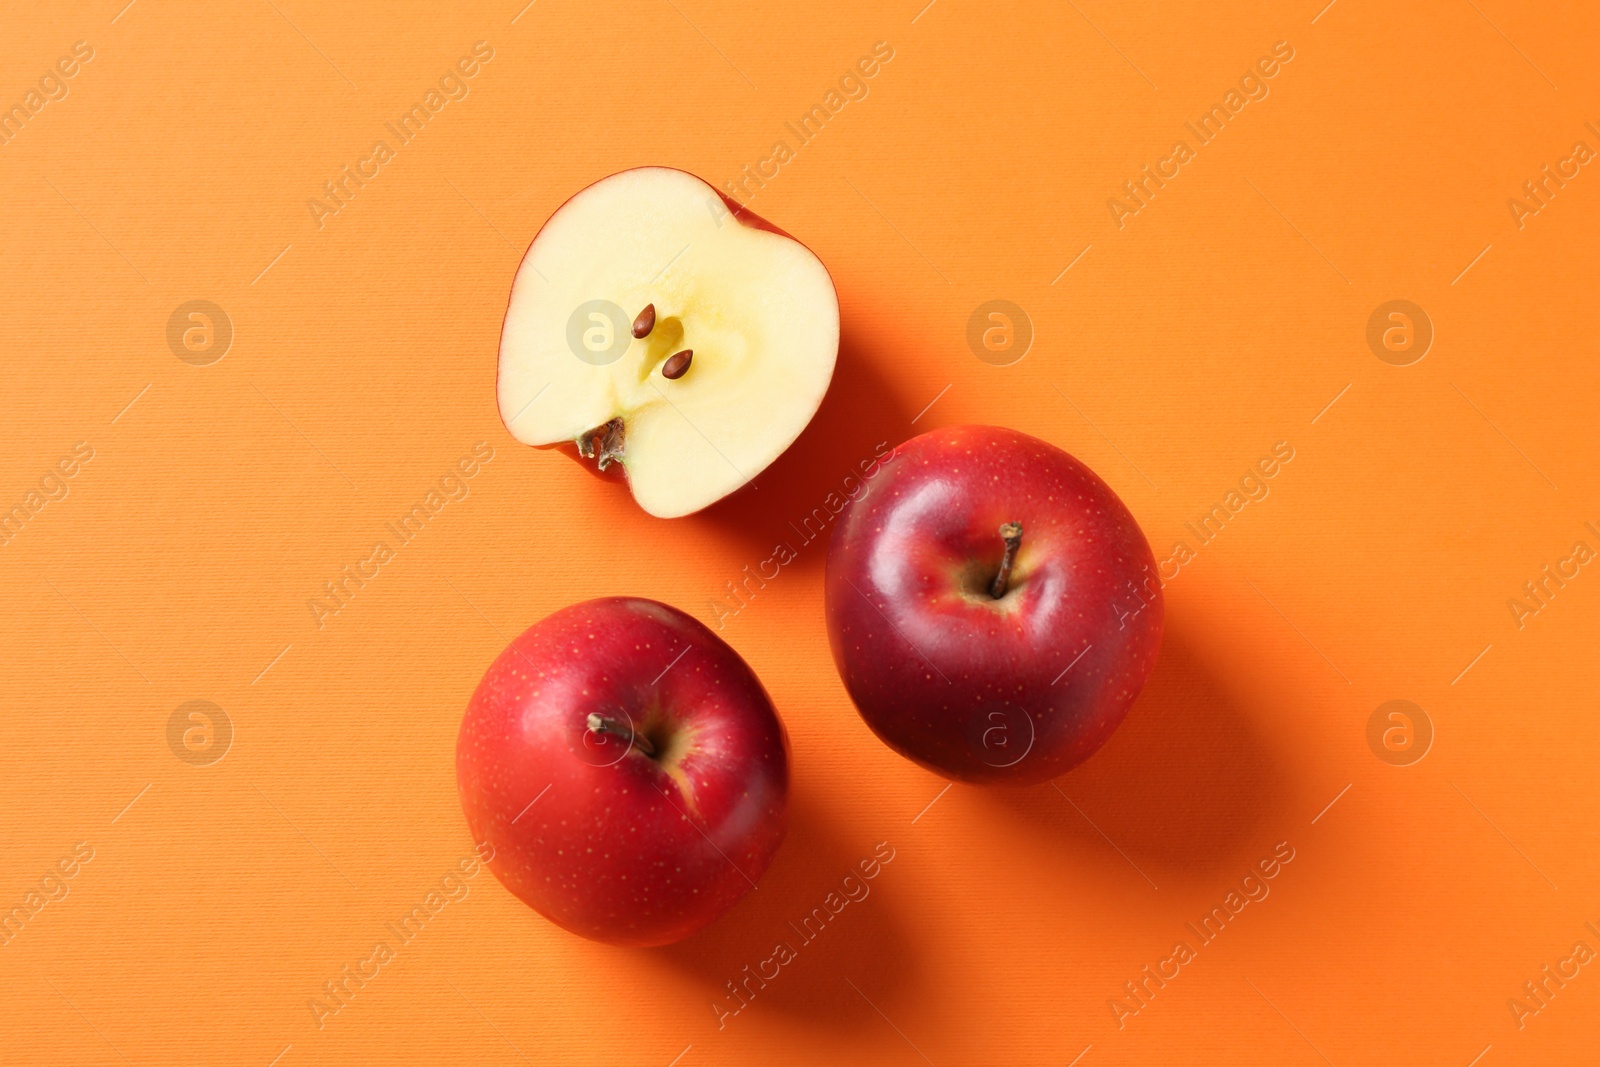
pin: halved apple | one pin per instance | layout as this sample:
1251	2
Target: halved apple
657	325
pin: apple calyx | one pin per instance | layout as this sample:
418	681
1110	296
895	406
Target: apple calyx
1011	532
610	447
601	725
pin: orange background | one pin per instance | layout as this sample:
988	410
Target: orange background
1224	317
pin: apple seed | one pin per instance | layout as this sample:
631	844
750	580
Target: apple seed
677	364
645	322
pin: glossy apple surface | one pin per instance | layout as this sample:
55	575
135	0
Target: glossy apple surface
629	770
1015	689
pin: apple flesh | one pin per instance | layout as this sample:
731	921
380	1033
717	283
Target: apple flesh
623	280
629	770
980	676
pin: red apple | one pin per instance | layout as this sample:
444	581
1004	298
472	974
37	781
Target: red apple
984	652
659	328
629	770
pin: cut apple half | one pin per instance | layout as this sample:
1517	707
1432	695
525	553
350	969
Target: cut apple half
658	326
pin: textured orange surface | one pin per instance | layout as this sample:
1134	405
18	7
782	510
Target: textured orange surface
1172	343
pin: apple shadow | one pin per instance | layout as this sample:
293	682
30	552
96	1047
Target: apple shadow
859	413
1186	787
865	941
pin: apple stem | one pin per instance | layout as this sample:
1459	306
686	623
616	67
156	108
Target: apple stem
602	725
1012	533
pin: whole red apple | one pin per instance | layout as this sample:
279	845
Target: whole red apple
629	770
993	607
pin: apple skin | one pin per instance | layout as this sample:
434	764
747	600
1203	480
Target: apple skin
616	845
973	688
